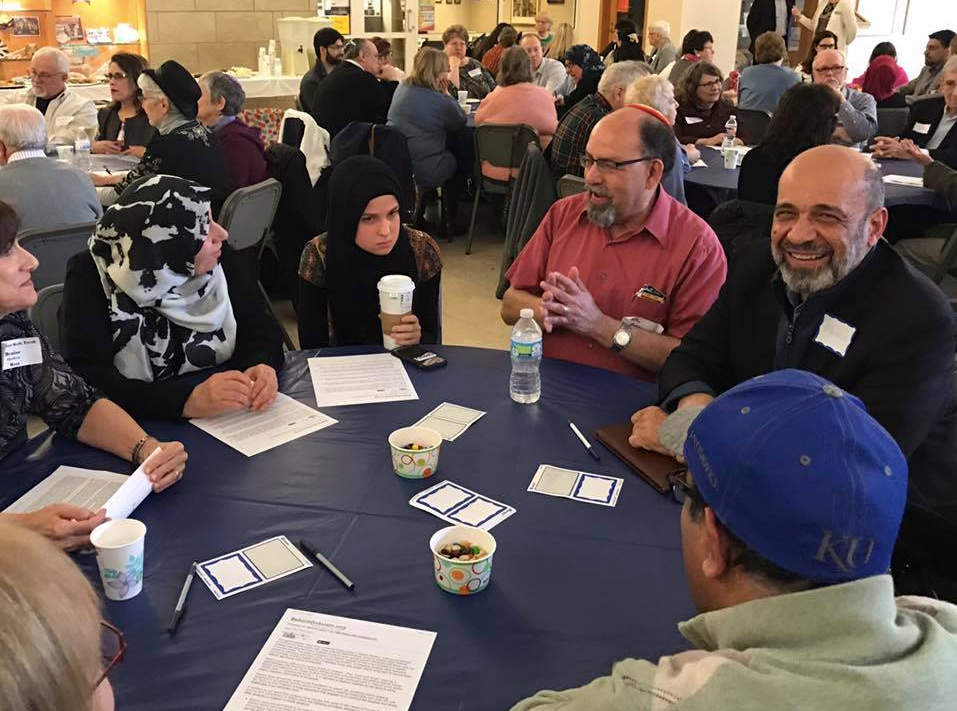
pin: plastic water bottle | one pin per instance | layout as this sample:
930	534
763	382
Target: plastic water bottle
730	132
525	383
82	146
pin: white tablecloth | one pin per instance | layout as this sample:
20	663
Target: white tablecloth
255	88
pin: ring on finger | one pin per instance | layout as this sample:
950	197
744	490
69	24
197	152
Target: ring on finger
565	306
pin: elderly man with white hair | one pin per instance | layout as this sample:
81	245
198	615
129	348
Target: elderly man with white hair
665	51
658	93
44	192
182	146
67	115
857	117
571	136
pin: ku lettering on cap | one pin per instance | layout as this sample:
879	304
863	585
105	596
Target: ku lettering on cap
798	470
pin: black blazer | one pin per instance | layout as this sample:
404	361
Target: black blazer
761	19
136	130
930	111
86	339
900	361
349	94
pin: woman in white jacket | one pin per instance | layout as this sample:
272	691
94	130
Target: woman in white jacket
835	15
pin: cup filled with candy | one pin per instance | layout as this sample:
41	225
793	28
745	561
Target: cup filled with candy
462	559
415	452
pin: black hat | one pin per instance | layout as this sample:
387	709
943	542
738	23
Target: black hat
178	85
325	37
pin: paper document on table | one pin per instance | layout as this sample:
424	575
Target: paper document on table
908	180
317	662
456	504
250	567
88	488
579	486
699	164
254	432
361	379
450	420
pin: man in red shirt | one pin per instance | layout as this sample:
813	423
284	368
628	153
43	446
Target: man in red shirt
617	275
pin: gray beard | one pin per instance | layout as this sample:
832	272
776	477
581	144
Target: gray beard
601	215
809	281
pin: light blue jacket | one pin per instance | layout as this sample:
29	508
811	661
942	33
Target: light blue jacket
426	117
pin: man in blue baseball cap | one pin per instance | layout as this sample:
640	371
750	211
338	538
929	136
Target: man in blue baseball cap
790	510
828	295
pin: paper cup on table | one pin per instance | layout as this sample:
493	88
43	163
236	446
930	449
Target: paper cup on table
463	96
119	553
462	577
395	301
730	158
415	463
64	153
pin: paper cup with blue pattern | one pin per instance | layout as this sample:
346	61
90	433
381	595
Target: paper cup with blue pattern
119	553
413	463
462	577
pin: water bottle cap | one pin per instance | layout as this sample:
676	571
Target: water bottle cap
526	313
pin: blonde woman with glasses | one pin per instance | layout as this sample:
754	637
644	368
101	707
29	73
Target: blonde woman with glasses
56	650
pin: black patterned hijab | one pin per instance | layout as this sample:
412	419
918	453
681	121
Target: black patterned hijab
353	273
166	319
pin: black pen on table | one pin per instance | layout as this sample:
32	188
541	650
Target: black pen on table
181	603
578	433
327	564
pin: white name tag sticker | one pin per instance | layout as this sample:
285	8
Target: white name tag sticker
922	128
62	121
475	72
693	119
835	335
21	352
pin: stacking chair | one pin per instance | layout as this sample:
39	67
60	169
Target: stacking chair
45	313
891	122
503	146
569	185
247	216
53	248
753	125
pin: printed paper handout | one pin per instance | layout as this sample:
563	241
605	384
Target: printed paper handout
580	486
457	504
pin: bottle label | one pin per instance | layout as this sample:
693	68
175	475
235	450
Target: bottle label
526	351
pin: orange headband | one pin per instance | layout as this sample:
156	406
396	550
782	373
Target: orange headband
651	112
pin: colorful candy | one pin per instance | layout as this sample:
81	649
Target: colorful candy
462	551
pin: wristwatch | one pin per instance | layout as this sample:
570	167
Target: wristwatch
622	337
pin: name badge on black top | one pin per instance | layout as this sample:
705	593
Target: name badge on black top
20	352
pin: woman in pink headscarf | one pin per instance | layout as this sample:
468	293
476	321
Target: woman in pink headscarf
880	81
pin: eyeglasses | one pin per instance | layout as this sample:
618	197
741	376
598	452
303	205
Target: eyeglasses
385	55
830	70
604	165
710	84
43	75
680	486
112	649
828	45
119	76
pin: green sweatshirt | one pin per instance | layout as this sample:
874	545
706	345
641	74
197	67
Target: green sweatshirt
849	647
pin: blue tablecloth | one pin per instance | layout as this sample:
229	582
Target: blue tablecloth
706	188
575	586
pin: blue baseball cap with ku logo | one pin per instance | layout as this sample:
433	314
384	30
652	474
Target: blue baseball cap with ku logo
801	474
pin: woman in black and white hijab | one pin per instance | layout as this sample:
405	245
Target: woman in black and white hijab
159	301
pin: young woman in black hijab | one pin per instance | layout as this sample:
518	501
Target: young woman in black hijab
365	241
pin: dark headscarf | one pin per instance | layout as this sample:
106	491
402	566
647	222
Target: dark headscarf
352	273
586	58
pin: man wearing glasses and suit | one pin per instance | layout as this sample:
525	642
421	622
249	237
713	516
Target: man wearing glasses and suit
618	274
